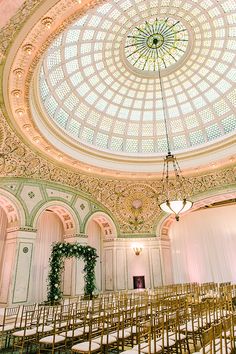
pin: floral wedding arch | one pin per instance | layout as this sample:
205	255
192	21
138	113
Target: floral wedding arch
62	250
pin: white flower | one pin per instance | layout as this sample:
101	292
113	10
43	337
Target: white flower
56	285
55	297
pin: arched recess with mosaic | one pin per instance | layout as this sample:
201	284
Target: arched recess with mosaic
12	222
102	232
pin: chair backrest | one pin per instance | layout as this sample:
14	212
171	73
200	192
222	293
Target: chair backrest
10	317
228	334
207	341
144	336
22	313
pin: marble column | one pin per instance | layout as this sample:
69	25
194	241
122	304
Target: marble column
17	266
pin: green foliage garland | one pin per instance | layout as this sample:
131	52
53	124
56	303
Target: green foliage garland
62	250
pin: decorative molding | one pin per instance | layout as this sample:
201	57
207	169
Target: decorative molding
117	196
75	236
27	229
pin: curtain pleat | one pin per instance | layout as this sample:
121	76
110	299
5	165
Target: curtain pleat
50	229
203	245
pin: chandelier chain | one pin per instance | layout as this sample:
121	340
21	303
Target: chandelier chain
164	112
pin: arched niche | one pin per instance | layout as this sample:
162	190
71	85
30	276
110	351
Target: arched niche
64	212
13	209
105	222
54	222
100	228
12	217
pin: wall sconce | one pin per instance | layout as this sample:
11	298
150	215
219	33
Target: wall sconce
137	248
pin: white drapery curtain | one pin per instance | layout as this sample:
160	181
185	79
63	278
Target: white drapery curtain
95	240
3	232
203	245
50	229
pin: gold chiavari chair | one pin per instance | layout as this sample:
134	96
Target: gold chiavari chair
140	314
28	332
181	331
54	341
214	341
149	333
228	333
124	328
193	325
207	342
22	313
93	343
9	323
110	331
76	331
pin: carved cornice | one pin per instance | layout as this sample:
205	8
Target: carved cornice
75	236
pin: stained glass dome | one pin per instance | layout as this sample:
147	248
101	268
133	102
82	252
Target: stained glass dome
155	44
98	80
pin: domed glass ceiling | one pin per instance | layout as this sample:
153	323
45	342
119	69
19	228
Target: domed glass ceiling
98	94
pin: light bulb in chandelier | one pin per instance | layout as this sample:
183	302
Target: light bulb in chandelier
176	207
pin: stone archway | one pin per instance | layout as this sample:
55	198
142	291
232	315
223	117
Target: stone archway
60	251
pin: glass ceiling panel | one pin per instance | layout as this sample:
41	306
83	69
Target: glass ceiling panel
99	79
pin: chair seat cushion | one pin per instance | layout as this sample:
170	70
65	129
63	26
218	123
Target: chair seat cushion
124	334
73	333
217	347
144	347
84	347
42	329
106	339
166	342
28	332
49	339
8	327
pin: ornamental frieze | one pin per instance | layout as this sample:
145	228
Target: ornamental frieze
134	204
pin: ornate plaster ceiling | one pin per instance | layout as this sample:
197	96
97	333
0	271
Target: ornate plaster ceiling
94	103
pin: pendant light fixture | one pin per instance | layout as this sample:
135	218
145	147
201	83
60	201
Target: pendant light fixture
173	190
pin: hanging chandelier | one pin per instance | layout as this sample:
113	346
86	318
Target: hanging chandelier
173	188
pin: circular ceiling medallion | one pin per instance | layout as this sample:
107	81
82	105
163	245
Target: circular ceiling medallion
156	44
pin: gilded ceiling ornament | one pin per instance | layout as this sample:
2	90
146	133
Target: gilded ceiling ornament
47	22
136	206
28	48
18	72
16	93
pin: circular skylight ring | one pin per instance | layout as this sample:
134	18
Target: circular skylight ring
114	100
156	44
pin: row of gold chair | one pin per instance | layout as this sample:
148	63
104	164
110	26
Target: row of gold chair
207	306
